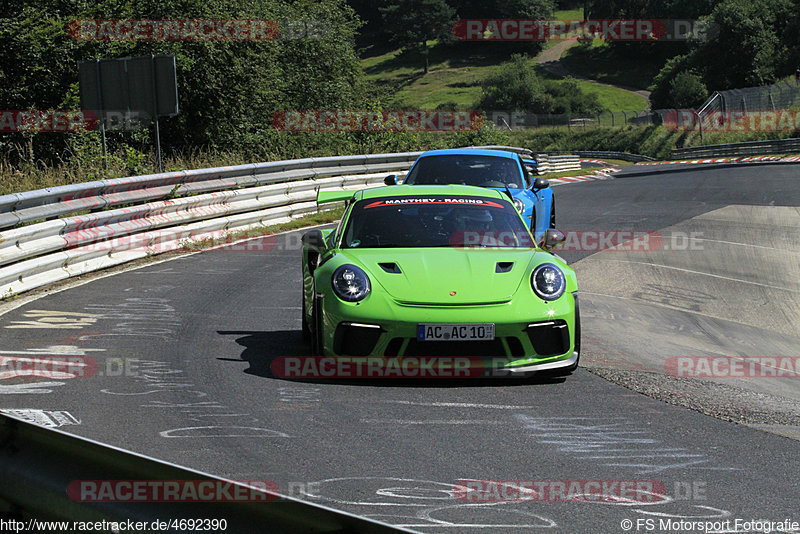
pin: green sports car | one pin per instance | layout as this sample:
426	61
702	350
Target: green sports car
439	271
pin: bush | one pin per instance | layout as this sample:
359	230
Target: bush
687	91
228	90
517	87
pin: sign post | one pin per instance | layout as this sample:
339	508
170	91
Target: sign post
144	86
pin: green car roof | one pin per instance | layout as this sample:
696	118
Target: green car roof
418	190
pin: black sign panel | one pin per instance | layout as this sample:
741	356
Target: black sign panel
143	87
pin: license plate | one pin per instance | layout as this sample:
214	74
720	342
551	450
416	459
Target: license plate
455	332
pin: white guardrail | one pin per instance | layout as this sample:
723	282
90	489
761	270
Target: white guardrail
44	241
547	163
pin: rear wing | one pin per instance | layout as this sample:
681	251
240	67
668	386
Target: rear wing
324	197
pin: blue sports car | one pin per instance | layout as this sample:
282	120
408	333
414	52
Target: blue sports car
495	169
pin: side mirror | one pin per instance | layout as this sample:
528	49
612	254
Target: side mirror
552	238
390	180
313	239
540	183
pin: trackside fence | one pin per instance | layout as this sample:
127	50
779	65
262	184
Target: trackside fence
749	148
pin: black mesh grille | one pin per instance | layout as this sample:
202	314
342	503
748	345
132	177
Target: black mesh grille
393	348
549	339
515	346
349	340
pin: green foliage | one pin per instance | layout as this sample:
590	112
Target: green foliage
228	90
660	97
749	49
755	44
516	86
410	24
505	9
569	98
687	91
649	9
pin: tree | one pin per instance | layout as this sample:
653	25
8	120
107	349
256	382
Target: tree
505	9
753	44
517	87
749	49
412	23
661	90
687	91
228	90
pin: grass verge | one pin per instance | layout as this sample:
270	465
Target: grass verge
602	62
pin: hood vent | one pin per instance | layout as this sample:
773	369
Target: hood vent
504	266
390	267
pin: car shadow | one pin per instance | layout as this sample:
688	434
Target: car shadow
261	349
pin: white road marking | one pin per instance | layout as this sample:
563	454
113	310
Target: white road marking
222	432
54	319
434	422
459	405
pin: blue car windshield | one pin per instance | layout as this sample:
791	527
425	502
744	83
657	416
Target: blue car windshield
435	221
465	169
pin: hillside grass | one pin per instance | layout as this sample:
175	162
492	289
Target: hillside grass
600	61
564	14
455	74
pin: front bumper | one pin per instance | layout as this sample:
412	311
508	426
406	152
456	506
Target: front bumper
524	342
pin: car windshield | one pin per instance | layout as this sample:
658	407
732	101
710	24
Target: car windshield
435	221
464	169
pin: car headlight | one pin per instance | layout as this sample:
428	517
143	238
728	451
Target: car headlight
548	281
350	283
519	205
